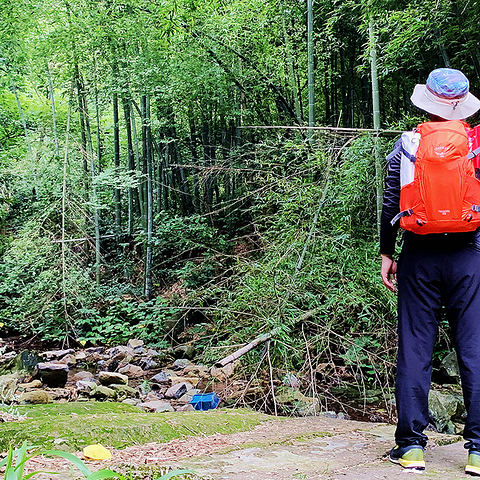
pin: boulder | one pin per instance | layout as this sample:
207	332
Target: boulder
85	386
80	356
109	378
8	386
56	354
185	352
132	371
222	373
147	363
296	403
196	371
124	391
162	377
68	360
178	390
30	385
185	408
441	408
62	394
136	345
449	367
26	361
82	375
156	406
37	397
52	374
100	392
181	363
188	397
120	353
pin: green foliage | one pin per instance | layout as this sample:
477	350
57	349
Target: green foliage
120	318
324	271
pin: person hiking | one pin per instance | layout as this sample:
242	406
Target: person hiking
439	264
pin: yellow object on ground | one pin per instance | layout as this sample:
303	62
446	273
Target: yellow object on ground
96	452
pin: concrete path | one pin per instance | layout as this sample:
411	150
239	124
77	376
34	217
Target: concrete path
324	448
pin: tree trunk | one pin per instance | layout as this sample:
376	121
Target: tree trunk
116	157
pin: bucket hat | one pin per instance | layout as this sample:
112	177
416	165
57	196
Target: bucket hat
446	94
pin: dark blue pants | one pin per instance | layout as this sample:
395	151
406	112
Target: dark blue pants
436	270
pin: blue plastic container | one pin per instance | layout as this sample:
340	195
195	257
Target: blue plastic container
205	401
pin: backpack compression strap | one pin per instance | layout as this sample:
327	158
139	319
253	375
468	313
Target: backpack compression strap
405	213
474	153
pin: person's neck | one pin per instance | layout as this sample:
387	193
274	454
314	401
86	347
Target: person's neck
435	118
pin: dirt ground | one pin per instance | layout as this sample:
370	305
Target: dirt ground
297	448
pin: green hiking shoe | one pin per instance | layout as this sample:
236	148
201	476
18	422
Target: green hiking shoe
410	457
473	464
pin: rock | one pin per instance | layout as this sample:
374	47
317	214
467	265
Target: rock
136	345
109	378
131	401
185	408
295	402
100	392
440	417
8	386
68	360
192	380
132	371
27	360
290	380
92	350
120	353
162	377
196	371
449	367
82	375
187	397
156	406
124	391
38	397
85	386
59	394
223	373
80	356
56	354
181	363
52	374
30	385
177	390
185	352
147	363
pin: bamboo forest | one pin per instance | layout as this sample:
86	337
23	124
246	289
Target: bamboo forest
202	172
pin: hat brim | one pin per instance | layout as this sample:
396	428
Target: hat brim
464	110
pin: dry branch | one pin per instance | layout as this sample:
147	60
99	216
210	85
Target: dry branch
260	339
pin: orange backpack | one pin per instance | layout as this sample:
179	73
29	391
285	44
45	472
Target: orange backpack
444	195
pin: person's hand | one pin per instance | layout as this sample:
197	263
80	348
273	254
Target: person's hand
389	272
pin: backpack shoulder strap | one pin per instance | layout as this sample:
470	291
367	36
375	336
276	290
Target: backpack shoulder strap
410	141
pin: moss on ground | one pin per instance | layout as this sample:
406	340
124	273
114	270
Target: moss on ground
72	426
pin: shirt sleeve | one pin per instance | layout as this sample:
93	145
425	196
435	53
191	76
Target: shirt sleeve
391	202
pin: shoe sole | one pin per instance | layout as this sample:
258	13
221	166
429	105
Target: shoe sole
410	464
471	470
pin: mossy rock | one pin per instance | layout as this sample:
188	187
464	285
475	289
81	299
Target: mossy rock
117	425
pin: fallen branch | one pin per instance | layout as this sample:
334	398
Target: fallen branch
261	339
241	351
